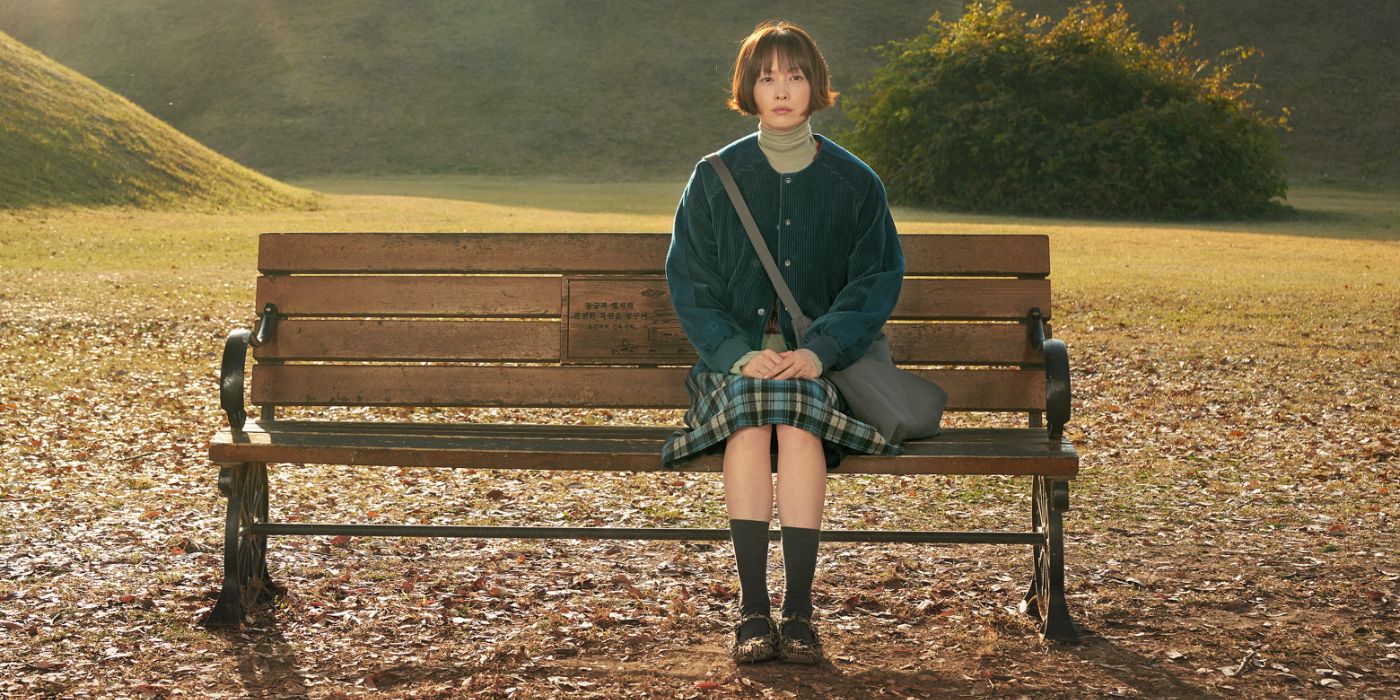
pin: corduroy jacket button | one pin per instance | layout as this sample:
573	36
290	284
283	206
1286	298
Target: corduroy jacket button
760	312
788	222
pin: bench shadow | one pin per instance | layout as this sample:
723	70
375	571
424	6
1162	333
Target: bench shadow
267	667
1149	677
266	663
1141	677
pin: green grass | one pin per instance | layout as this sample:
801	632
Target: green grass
654	197
1322	210
1342	242
617	91
67	141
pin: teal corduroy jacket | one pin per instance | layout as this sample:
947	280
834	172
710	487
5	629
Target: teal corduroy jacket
828	227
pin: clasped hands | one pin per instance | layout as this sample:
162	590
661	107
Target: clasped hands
791	364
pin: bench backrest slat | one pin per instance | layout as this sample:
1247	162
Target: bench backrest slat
567	387
495	340
499	296
589	317
1017	255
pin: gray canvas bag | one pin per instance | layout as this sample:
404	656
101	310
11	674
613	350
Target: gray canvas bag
901	405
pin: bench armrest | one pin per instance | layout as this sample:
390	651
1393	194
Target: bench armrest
1056	386
231	377
1057	411
235	358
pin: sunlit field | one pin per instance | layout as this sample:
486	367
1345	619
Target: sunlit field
1235	407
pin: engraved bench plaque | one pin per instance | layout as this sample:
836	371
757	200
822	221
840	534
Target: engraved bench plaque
621	320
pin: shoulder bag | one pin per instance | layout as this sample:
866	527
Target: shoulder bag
901	405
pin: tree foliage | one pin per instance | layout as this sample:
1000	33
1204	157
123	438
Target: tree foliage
1001	112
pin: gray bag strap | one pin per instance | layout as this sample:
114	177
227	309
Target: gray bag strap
799	321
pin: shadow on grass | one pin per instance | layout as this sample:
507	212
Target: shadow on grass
1148	677
1138	675
266	663
268	666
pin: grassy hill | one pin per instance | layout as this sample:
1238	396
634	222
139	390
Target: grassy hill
609	90
65	140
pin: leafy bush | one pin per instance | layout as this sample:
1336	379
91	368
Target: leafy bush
997	113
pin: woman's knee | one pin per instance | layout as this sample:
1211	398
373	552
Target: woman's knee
757	436
793	436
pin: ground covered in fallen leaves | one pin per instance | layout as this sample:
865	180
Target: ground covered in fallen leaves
1233	530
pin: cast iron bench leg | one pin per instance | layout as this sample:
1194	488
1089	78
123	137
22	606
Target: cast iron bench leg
1030	603
1045	600
246	581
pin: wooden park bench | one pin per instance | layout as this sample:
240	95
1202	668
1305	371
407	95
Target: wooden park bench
585	321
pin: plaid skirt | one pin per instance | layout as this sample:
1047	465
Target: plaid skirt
721	403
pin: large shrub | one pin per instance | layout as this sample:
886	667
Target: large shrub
997	113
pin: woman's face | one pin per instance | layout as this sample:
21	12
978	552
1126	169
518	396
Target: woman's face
782	96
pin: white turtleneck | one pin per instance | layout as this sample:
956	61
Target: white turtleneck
788	151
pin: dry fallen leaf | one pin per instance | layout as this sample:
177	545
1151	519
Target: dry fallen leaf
1202	480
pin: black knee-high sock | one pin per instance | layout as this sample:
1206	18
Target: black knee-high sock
750	539
800	565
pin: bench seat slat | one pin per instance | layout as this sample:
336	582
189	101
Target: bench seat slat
1019	451
573	387
603	432
1022	255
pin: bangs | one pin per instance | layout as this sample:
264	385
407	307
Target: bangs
787	49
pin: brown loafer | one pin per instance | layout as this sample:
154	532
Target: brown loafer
799	651
760	648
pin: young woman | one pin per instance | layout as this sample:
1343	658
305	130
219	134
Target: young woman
756	390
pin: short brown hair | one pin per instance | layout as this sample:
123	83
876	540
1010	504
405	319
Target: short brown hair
792	46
